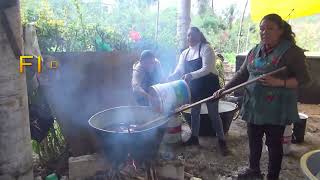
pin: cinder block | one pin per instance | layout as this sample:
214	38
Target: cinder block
64	178
194	178
86	166
171	169
38	178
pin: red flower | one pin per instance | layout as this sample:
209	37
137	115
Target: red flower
275	60
269	98
134	35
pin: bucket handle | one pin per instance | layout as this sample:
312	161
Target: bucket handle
237	113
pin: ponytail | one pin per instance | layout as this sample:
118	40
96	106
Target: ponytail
287	33
203	39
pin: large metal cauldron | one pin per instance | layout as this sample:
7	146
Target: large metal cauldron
227	112
142	145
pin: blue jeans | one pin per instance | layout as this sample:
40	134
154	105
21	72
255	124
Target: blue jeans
213	115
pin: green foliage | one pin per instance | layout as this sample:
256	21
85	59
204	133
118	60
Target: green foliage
307	32
220	69
76	25
52	147
230	57
73	25
220	33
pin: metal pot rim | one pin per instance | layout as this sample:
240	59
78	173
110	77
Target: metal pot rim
119	107
303	116
234	105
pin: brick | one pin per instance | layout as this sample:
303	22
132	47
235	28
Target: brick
86	166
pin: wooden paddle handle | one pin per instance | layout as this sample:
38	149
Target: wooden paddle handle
228	91
213	98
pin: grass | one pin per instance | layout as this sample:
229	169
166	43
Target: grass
50	148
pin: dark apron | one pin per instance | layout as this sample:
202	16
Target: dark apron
202	87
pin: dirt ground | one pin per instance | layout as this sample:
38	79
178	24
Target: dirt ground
205	161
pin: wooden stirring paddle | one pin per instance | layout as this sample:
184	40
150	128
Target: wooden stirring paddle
228	91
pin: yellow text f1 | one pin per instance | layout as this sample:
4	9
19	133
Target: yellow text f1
23	63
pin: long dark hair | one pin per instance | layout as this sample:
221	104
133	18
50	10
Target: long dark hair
203	39
287	30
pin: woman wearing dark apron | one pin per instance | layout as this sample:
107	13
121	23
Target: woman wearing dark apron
197	67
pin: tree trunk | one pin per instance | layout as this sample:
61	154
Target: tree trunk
15	141
212	5
183	23
157	21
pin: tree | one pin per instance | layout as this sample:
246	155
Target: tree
229	14
140	3
15	142
183	22
202	6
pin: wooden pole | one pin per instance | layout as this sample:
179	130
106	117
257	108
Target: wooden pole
157	21
248	34
212	98
240	29
212	4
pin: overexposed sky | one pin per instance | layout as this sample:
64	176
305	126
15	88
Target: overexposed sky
219	5
222	4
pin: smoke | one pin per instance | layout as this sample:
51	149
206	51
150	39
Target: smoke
87	83
83	88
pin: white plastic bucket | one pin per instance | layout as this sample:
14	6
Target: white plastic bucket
173	132
286	139
185	132
169	96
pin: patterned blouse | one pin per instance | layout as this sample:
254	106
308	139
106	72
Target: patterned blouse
272	105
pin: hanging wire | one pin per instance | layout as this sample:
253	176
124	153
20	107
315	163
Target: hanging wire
289	15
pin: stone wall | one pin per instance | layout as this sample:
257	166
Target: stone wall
84	84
